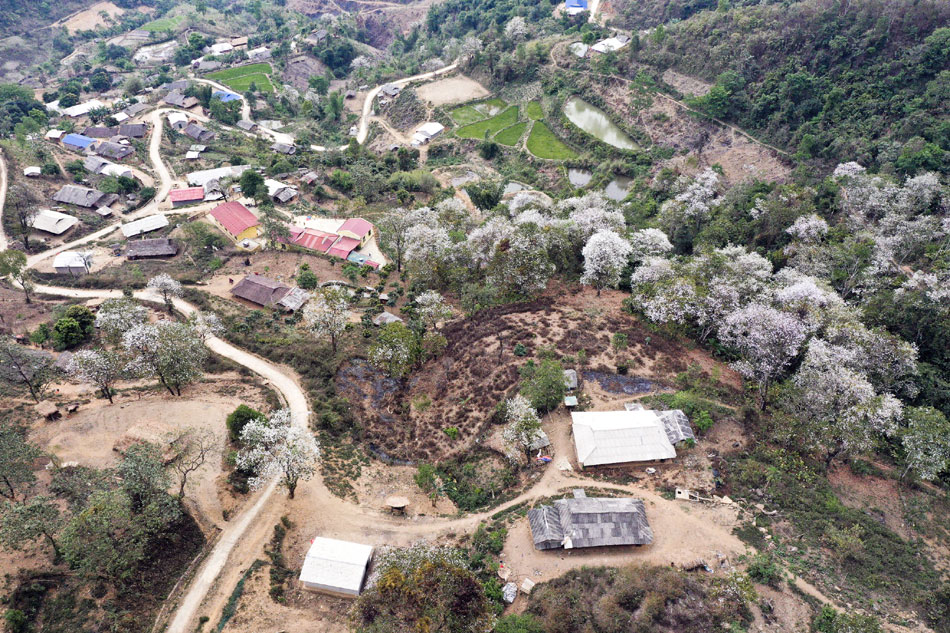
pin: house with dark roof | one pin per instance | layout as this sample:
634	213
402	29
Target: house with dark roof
155	247
236	220
589	522
136	108
183	197
115	151
99	132
178	100
284	148
133	130
247	126
80	196
198	132
261	290
77	142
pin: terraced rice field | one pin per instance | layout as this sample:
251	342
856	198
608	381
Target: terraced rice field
163	24
543	144
474	112
489	126
511	135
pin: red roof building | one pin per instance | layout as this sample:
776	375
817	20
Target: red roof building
356	228
312	239
236	220
181	197
343	247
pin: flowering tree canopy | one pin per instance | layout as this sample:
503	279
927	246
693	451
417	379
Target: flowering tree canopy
276	447
326	315
605	256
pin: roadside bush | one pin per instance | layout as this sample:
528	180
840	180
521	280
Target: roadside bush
239	418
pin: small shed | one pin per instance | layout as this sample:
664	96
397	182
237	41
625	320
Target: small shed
261	290
336	567
71	263
385	318
47	409
570	379
284	148
33	171
397	504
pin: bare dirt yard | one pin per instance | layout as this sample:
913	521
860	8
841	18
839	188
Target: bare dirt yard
91	18
687	85
457	89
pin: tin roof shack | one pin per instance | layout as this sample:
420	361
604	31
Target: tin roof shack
198	133
620	437
148	248
284	148
72	263
52	222
336	567
589	522
427	132
82	197
144	225
280	192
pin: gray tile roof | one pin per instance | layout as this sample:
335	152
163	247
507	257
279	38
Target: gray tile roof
157	247
590	522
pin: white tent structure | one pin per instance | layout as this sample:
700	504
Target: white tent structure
619	437
335	567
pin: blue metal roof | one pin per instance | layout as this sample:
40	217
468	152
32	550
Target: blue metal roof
575	4
225	96
357	258
78	140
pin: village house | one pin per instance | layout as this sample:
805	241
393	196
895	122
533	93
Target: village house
177	121
99	132
220	48
198	133
358	229
247	126
224	96
573	7
335	567
239	42
135	109
72	263
77	142
206	65
99	165
144	225
115	151
259	54
269	293
280	192
427	132
149	248
619	437
312	239
53	222
284	148
213	190
390	90
184	197
589	522
179	100
236	221
200	178
133	130
83	197
80	109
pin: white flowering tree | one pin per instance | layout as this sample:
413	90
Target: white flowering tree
174	353
116	316
426	247
432	308
275	447
767	341
605	256
516	29
839	406
693	204
649	243
395	350
166	287
326	315
100	368
520	265
926	441
522	424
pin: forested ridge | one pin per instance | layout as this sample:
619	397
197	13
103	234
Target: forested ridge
834	81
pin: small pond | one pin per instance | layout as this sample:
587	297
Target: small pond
595	122
579	177
618	188
514	187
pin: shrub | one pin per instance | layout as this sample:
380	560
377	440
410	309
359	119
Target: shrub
67	333
307	280
519	623
239	418
451	431
620	341
16	620
543	384
520	350
623	367
763	569
703	421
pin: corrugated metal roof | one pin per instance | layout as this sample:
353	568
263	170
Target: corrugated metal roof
144	225
53	221
590	522
234	217
336	565
617	437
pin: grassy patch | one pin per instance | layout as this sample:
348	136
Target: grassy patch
163	24
511	135
341	464
231	607
543	144
496	123
241	78
466	115
533	110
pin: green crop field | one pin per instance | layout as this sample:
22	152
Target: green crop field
239	79
498	122
163	24
466	115
533	110
543	144
511	135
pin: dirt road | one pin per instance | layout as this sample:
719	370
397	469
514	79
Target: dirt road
3	198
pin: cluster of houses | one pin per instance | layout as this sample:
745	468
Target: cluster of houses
604	46
110	143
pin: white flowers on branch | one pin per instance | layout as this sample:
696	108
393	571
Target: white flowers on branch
116	316
102	368
432	308
275	447
171	352
326	315
166	287
516	29
605	256
522	426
